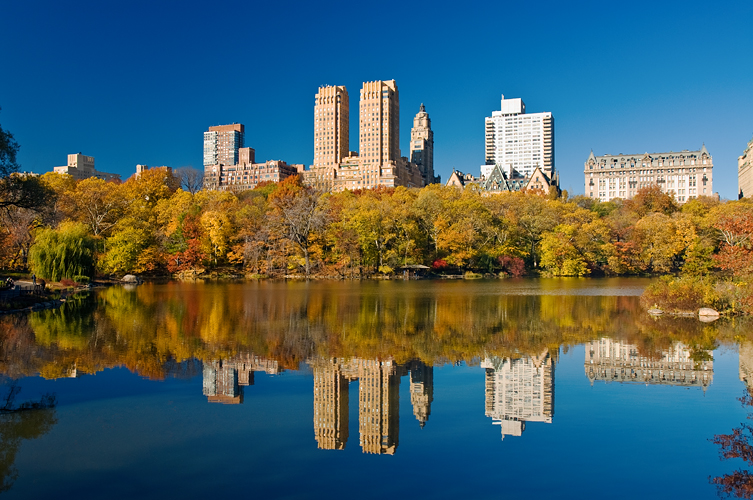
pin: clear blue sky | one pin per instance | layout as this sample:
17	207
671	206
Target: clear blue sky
140	81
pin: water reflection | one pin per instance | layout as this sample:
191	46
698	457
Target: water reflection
18	423
518	391
609	360
224	379
372	335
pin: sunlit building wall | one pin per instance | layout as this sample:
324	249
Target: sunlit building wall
685	174
745	172
221	144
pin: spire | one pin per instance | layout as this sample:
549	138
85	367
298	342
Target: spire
422	110
703	149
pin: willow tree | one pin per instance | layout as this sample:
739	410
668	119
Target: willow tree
66	252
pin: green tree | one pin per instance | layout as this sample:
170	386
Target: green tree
63	253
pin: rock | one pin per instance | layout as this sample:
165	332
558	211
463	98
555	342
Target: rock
707	315
130	278
655	312
707	311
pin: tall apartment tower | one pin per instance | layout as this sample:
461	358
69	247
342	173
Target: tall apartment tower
422	145
331	126
221	144
518	141
379	122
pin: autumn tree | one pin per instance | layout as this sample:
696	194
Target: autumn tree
298	213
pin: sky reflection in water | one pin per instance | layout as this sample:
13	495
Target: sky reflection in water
310	390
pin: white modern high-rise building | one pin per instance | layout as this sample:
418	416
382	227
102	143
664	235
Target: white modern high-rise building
519	142
221	144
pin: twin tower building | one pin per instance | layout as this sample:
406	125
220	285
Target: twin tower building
379	162
229	165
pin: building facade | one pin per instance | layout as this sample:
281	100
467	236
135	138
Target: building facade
422	146
222	144
378	163
517	141
247	174
685	174
331	126
81	167
745	172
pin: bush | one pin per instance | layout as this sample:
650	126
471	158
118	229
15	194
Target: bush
683	294
66	282
82	280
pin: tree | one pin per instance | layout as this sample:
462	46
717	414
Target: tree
297	212
191	179
17	190
8	151
99	204
66	252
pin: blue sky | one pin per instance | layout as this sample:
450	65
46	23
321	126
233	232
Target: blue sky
140	81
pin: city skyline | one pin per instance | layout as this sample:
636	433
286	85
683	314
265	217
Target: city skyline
616	83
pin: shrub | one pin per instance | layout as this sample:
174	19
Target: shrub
67	282
514	266
683	294
81	279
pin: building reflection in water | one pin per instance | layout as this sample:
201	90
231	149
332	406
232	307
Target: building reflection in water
378	401
224	379
745	361
614	361
519	390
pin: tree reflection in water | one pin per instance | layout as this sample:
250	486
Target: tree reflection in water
28	420
738	444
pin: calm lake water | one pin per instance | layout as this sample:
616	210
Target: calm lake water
535	388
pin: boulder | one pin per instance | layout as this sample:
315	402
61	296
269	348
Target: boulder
130	278
707	315
655	312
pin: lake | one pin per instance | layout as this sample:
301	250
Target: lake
534	388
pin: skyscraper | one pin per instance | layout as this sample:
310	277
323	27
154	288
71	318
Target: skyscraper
519	142
380	122
378	163
221	144
422	146
331	126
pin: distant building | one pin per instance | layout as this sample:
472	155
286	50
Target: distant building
222	144
499	181
610	360
518	391
82	167
247	174
518	142
143	168
331	127
745	172
685	174
422	146
378	163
